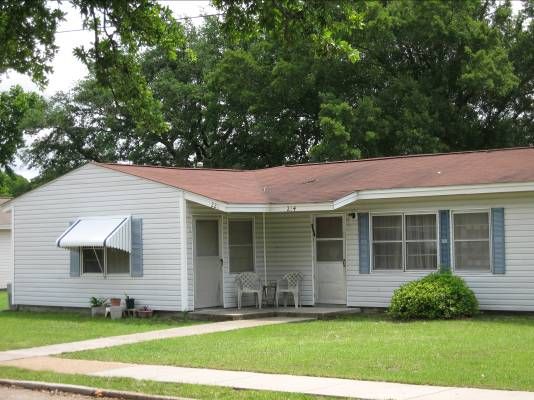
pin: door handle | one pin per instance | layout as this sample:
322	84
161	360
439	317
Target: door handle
344	264
221	261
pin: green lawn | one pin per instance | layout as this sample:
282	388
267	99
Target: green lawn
3	300
488	351
20	329
151	387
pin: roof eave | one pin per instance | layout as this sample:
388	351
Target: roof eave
357	196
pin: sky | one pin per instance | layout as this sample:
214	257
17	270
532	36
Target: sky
68	69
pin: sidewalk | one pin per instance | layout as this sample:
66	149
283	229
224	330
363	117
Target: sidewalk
273	382
99	343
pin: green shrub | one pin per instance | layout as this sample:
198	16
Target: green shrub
439	295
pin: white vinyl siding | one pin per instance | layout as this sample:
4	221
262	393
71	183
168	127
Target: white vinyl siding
289	244
42	270
512	291
5	257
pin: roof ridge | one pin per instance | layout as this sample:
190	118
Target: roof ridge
409	156
170	167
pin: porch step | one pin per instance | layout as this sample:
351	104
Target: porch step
228	314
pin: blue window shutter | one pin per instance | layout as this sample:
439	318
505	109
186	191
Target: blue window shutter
75	267
363	240
136	256
445	239
497	237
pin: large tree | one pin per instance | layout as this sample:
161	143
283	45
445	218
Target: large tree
434	76
121	29
18	110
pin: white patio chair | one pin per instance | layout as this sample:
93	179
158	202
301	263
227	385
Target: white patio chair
249	282
289	284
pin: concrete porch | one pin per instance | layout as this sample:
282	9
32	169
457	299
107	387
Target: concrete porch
317	312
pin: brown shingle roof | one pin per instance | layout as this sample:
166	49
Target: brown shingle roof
323	182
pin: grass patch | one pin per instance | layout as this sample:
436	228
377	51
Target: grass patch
151	387
3	300
487	351
21	329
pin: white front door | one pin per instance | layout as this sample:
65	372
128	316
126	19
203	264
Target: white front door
208	271
330	260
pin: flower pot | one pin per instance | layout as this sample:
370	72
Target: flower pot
130	303
115	302
100	310
115	312
145	313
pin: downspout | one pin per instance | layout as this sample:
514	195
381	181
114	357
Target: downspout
264	251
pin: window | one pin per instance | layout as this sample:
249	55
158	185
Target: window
387	242
329	240
421	242
471	241
241	243
404	242
93	262
207	238
118	262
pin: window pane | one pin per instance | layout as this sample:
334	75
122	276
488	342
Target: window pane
387	227
421	255
241	259
207	238
240	232
421	227
471	226
118	262
329	250
472	256
387	256
93	261
329	227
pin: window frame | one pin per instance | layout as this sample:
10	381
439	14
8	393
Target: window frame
318	239
403	215
105	272
253	221
453	241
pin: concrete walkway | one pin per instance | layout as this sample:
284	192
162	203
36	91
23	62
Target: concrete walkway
99	343
273	382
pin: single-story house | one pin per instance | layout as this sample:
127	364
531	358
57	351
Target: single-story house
5	246
175	238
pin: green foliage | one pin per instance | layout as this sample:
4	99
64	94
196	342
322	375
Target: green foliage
97	301
439	295
27	37
17	110
262	88
122	30
12	185
326	24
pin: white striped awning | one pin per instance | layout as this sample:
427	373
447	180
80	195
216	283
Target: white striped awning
110	232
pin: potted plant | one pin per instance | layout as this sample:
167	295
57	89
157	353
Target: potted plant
115	301
130	302
98	306
145	312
